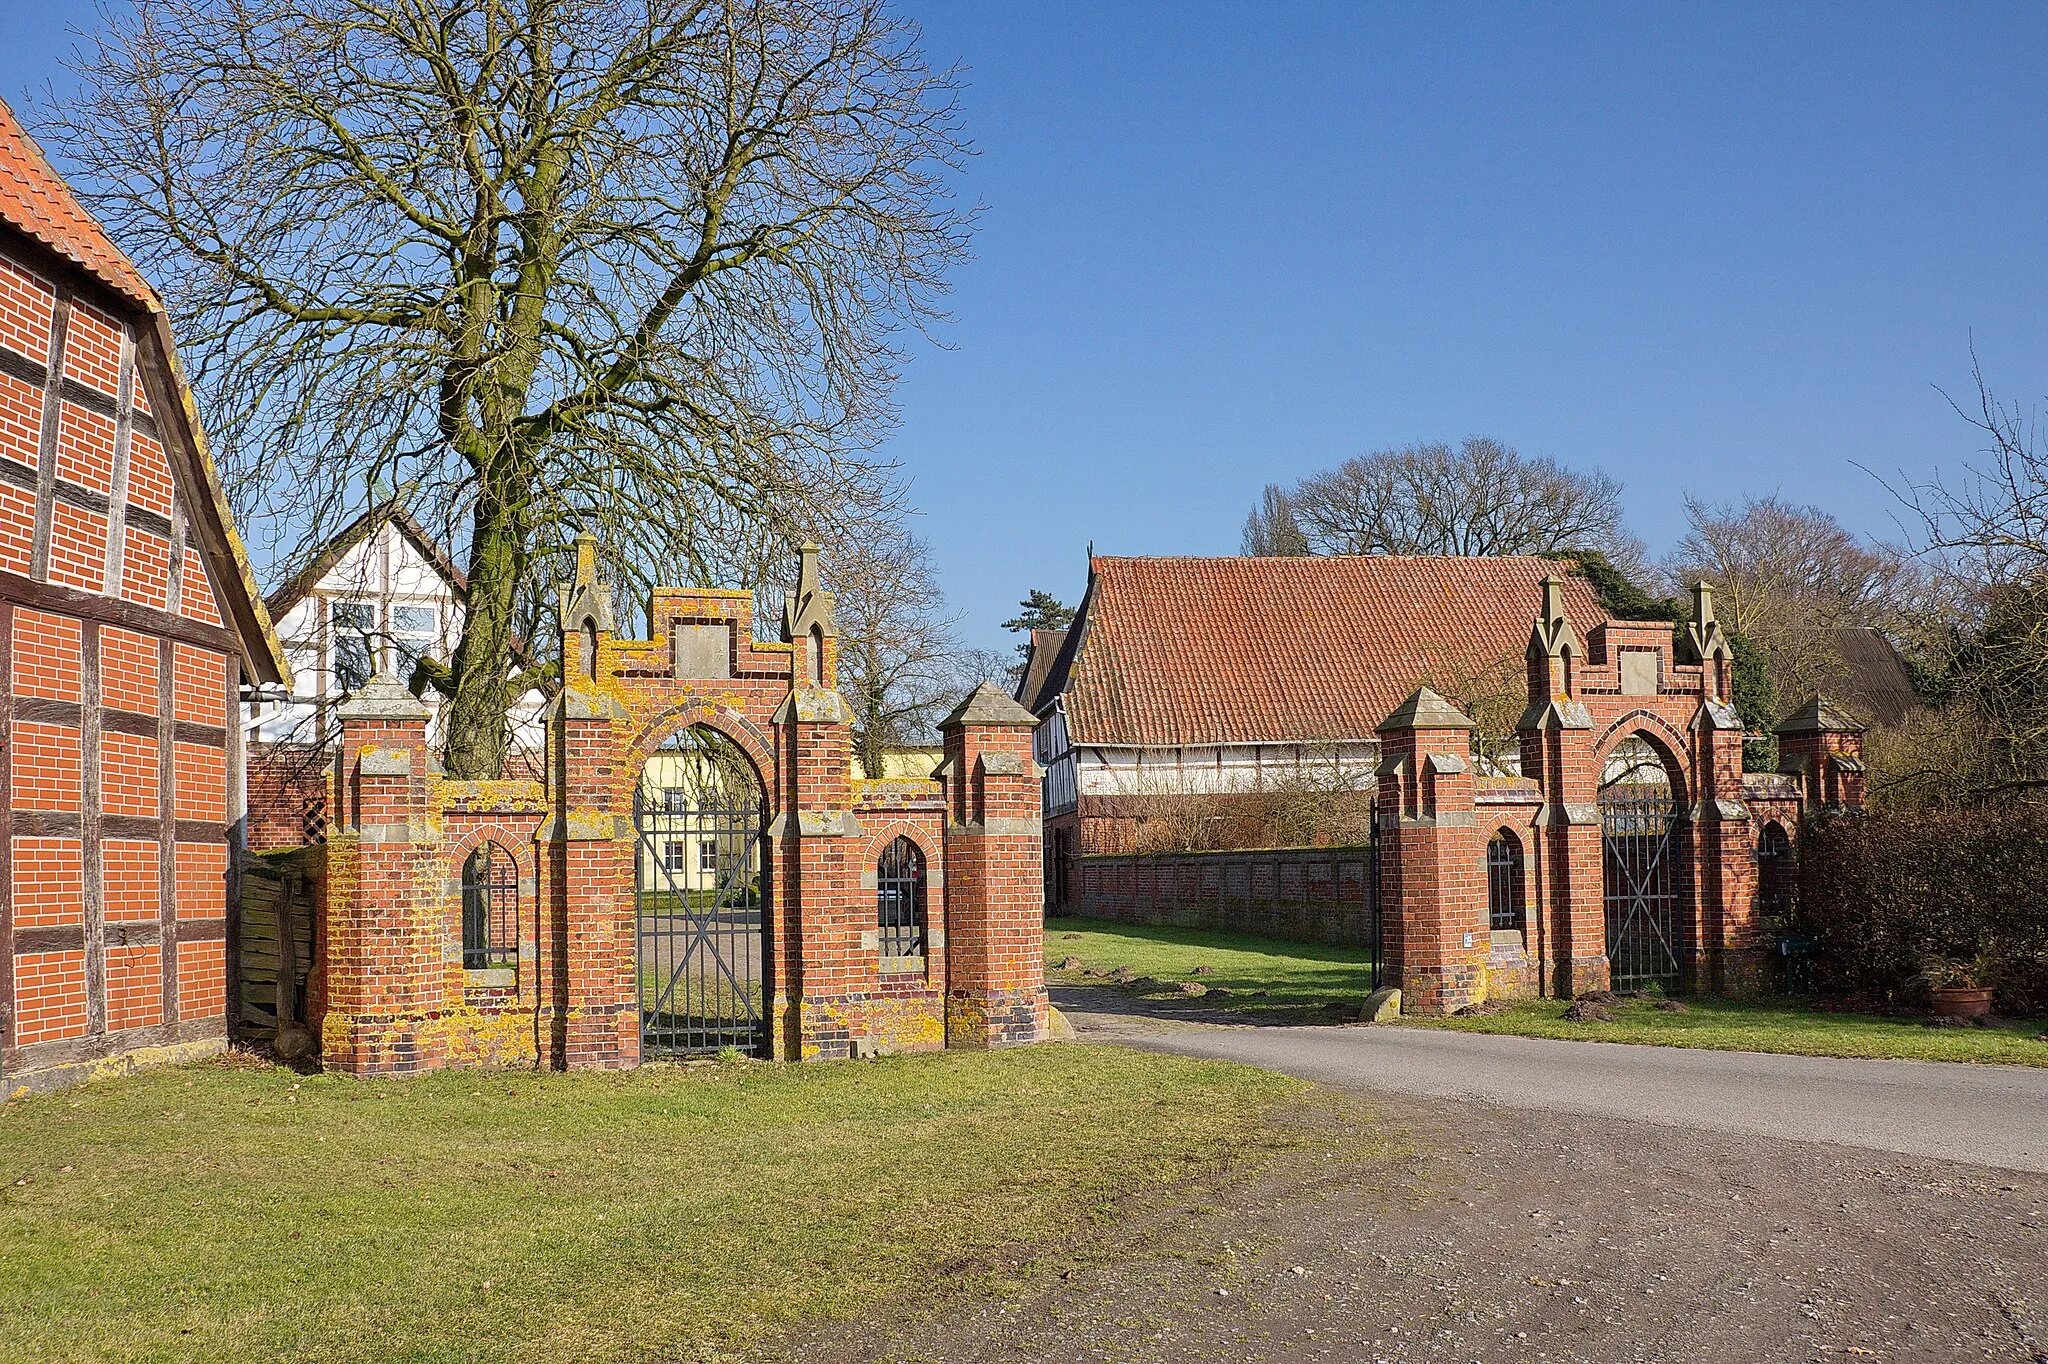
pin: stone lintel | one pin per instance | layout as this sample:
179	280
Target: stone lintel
1000	764
585	705
816	824
812	705
995	828
1450	819
584	826
1559	712
1566	813
386	762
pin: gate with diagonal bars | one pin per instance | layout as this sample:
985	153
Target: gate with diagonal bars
698	882
1643	848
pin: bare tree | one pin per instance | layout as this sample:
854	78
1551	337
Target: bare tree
1481	498
1789	578
533	266
900	660
1983	532
1271	530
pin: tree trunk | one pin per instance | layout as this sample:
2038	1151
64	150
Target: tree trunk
477	730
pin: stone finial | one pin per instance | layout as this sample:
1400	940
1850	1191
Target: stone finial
1425	710
1553	636
1819	716
1705	633
809	605
383	697
989	704
587	599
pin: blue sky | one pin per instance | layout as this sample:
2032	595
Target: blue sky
1721	250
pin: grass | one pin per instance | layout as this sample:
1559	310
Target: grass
1301	978
1260	974
1773	1026
233	1211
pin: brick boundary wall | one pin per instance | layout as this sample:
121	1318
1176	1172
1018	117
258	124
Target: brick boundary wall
1318	895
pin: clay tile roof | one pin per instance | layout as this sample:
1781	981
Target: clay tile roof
1170	652
35	200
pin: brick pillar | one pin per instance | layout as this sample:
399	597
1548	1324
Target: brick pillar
1730	958
1432	862
1557	751
1822	745
831	977
995	893
587	846
383	952
818	838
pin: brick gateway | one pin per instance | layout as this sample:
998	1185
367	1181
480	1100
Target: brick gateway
1559	880
639	902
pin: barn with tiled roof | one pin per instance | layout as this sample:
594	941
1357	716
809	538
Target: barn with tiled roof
1185	675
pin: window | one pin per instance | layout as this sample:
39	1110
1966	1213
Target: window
1504	888
415	630
354	623
1775	872
675	856
490	909
675	800
707	856
899	900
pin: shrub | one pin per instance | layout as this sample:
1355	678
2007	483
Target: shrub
1883	892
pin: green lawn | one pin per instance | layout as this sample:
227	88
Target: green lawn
231	1211
1776	1026
1253	973
1300	978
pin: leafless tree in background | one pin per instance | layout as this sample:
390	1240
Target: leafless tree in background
1983	532
901	663
533	266
1271	531
1789	578
1480	498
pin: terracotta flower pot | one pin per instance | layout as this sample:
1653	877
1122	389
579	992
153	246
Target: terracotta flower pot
1962	1001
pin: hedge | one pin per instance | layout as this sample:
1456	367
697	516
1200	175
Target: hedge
1879	892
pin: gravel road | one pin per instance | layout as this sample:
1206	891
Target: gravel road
1514	1215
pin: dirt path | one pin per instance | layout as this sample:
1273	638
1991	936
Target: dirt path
1504	1235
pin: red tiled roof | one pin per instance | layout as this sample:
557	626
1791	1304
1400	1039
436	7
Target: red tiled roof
35	200
1205	651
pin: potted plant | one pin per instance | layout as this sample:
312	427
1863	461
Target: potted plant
1958	985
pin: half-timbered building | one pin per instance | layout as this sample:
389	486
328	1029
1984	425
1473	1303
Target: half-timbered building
129	625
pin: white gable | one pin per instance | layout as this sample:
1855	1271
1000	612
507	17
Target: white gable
381	603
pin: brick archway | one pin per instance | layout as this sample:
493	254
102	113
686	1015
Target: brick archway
981	985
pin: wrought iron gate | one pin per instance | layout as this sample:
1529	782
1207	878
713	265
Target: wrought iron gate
1642	841
698	891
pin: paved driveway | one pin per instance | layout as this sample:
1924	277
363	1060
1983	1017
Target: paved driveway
1983	1115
